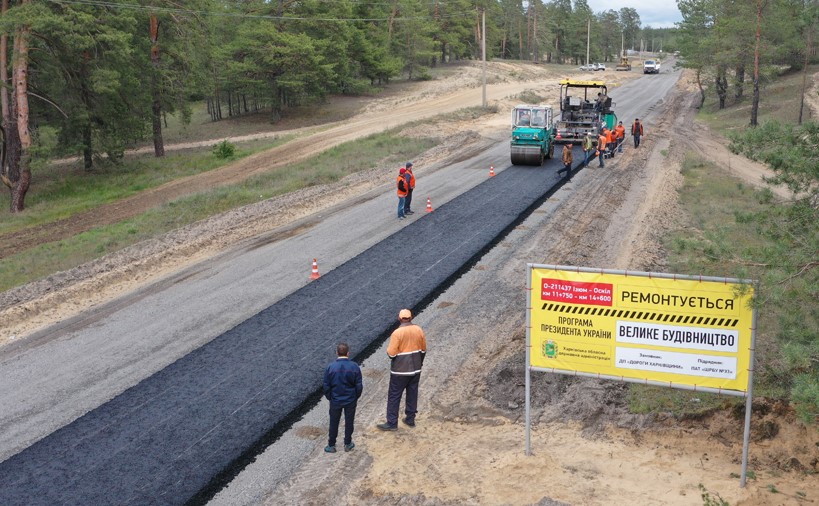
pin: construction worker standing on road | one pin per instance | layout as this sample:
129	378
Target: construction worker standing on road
637	132
407	349
402	192
601	148
610	142
620	136
588	149
410	186
567	160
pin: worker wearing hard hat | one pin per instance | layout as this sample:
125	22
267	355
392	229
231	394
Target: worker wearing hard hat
588	149
407	349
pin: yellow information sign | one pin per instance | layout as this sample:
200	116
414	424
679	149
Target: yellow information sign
637	326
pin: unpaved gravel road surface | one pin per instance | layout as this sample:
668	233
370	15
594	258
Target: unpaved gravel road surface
468	446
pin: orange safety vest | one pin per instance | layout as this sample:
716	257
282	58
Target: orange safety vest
412	179
401	183
637	129
609	137
620	132
601	142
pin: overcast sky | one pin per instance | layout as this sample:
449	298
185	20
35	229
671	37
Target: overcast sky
654	13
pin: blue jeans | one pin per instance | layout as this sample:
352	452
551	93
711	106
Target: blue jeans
636	141
587	156
401	201
398	384
408	201
620	144
335	419
602	154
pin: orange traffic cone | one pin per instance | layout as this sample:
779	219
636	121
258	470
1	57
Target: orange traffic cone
491	171
429	205
315	274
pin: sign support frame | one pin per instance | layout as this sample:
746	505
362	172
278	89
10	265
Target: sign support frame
748	394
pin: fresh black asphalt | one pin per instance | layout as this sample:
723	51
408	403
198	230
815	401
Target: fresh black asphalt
173	436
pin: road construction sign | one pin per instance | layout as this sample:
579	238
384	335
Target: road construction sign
663	329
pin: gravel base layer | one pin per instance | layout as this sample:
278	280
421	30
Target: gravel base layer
172	435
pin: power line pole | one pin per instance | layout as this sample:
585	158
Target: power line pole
483	51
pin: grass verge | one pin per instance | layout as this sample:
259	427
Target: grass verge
718	240
779	100
712	244
59	191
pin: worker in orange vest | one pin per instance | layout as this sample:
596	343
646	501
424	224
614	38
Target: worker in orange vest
620	136
610	142
637	132
410	177
402	192
601	147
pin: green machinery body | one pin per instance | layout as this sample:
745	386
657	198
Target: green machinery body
532	134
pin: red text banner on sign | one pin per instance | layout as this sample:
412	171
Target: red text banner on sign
576	292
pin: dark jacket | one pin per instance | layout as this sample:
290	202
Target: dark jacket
342	382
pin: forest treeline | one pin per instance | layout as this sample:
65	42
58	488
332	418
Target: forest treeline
92	77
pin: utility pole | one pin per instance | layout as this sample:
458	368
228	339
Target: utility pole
622	44
534	37
588	38
483	51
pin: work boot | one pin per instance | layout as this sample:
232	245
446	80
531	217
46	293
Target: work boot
386	426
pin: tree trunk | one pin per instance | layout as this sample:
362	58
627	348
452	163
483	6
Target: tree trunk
702	90
4	71
85	95
808	50
11	168
22	178
156	106
739	82
5	107
87	147
760	5
722	86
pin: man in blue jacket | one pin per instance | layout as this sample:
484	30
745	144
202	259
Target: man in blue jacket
342	387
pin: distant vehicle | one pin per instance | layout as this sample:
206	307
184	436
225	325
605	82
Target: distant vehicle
651	67
590	66
676	53
624	64
600	66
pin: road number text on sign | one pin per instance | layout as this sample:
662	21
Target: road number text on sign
578	292
668	329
